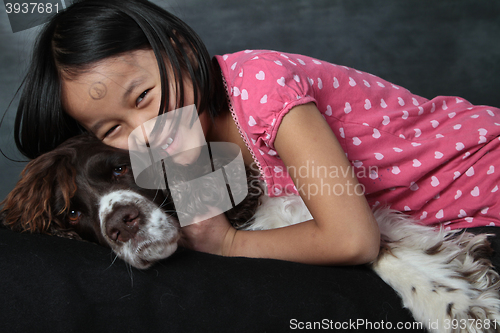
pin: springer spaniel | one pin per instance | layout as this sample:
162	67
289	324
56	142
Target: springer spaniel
85	190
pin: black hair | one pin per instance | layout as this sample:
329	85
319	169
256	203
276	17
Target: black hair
92	30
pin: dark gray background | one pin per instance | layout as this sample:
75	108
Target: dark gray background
431	50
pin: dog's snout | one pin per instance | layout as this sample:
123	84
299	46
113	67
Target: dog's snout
123	224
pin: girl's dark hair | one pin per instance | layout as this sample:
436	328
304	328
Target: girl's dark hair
92	30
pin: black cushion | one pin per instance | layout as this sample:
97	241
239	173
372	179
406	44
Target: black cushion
60	285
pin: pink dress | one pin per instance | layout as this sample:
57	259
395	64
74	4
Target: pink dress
437	160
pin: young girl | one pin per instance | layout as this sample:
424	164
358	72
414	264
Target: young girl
345	141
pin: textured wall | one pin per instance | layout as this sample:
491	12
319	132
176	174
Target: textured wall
430	47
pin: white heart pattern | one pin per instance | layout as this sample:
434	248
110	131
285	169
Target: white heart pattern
335	83
475	192
328	111
416	163
236	91
251	121
434	181
357	164
368	104
260	75
482	131
281	81
347	108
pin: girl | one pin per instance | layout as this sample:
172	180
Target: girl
345	141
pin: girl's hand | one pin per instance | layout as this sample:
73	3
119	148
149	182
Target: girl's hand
213	235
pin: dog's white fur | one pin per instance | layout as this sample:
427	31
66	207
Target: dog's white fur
439	275
156	239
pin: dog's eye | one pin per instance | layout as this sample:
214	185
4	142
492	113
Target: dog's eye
74	216
120	170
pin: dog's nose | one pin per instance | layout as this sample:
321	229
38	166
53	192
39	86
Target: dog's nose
123	224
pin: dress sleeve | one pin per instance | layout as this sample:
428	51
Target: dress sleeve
264	86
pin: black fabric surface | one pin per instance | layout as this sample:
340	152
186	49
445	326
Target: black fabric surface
443	47
52	284
60	285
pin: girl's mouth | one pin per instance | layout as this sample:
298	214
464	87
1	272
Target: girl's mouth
167	144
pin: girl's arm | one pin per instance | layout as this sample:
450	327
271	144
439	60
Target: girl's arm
343	230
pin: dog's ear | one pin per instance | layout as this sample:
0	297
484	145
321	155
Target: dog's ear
28	207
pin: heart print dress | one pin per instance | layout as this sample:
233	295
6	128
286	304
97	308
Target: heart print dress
437	160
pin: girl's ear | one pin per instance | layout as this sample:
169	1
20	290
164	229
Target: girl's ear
28	207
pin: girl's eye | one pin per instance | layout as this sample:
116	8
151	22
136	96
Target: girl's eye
110	131
120	170
141	97
74	216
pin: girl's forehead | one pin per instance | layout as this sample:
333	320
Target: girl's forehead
124	65
123	73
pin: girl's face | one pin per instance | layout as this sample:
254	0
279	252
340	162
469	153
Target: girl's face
119	94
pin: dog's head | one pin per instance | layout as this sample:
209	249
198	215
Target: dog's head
85	190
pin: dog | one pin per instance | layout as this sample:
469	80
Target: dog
85	190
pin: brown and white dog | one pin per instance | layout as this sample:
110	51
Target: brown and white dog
85	190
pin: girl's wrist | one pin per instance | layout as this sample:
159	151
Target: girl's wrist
228	242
